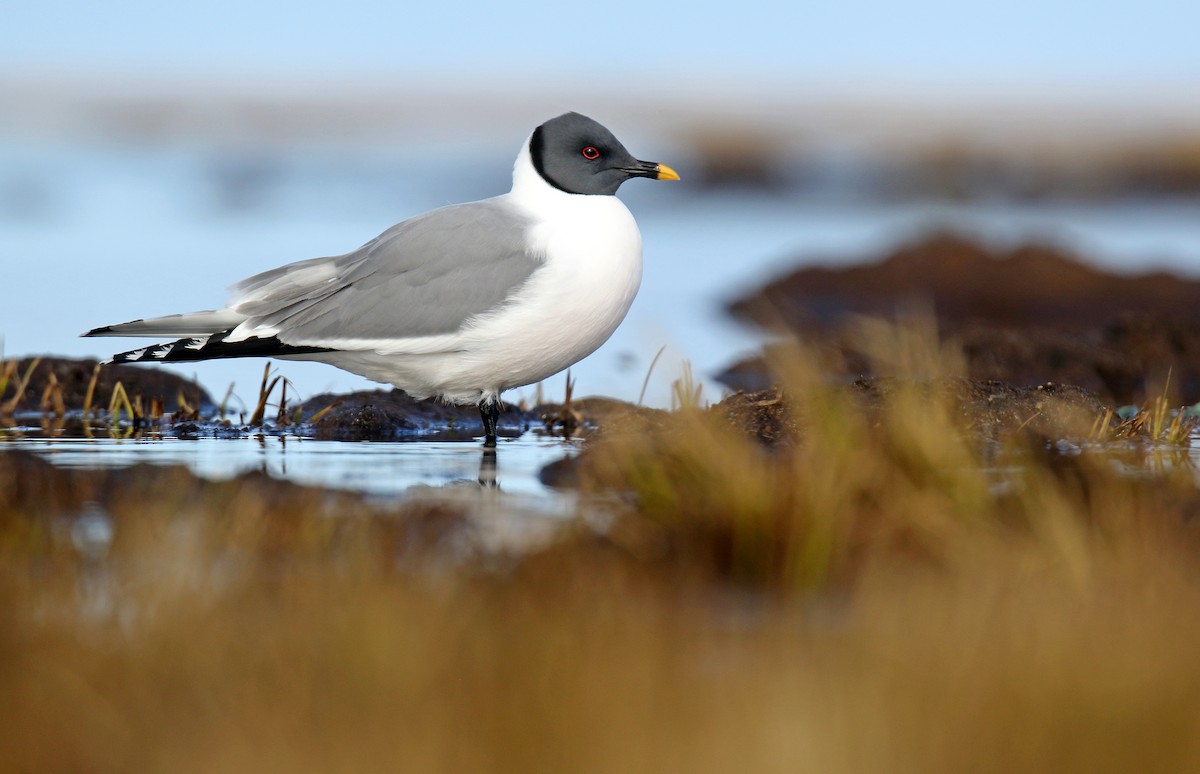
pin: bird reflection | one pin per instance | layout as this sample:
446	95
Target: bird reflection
487	469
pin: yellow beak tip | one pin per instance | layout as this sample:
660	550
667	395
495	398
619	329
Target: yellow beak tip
666	173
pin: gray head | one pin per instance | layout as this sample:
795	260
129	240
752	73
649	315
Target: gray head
575	154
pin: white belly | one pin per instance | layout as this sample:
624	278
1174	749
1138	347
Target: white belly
568	308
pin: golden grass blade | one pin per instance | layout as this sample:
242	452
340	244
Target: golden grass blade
120	400
281	418
256	419
52	400
11	404
91	391
317	416
185	409
8	369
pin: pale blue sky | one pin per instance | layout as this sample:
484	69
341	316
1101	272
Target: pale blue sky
926	41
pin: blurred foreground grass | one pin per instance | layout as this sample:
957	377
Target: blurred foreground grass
887	589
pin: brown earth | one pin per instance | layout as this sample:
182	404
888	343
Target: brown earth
387	415
1030	315
74	375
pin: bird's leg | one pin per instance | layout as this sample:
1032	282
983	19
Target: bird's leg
489	411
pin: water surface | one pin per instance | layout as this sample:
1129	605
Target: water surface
378	468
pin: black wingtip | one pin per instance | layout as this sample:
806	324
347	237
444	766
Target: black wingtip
97	331
211	348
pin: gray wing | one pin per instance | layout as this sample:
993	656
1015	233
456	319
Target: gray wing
422	277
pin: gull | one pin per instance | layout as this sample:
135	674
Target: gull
460	303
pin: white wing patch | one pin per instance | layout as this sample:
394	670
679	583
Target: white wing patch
248	331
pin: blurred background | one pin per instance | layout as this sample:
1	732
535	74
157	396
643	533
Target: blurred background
151	155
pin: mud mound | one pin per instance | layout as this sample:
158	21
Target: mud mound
73	376
384	415
1029	315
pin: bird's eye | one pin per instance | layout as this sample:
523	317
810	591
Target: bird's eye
591	153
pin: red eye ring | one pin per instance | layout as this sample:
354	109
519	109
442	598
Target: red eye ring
591	153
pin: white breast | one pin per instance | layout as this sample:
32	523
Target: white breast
593	265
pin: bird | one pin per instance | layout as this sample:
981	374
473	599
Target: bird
459	303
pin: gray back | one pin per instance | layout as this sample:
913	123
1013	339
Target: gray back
422	277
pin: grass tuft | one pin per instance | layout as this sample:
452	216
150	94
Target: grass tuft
120	400
264	395
51	403
567	419
91	392
9	371
685	391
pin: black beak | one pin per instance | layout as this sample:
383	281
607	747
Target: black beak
651	169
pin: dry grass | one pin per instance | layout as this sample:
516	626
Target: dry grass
8	375
880	596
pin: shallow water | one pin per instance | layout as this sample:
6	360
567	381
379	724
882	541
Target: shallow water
377	468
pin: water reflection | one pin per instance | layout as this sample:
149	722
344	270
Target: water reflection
91	533
377	468
487	468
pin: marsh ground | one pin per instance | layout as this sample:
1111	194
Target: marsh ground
911	569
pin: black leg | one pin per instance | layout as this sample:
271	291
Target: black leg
489	411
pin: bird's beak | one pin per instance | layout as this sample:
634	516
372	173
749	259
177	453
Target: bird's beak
652	169
666	173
